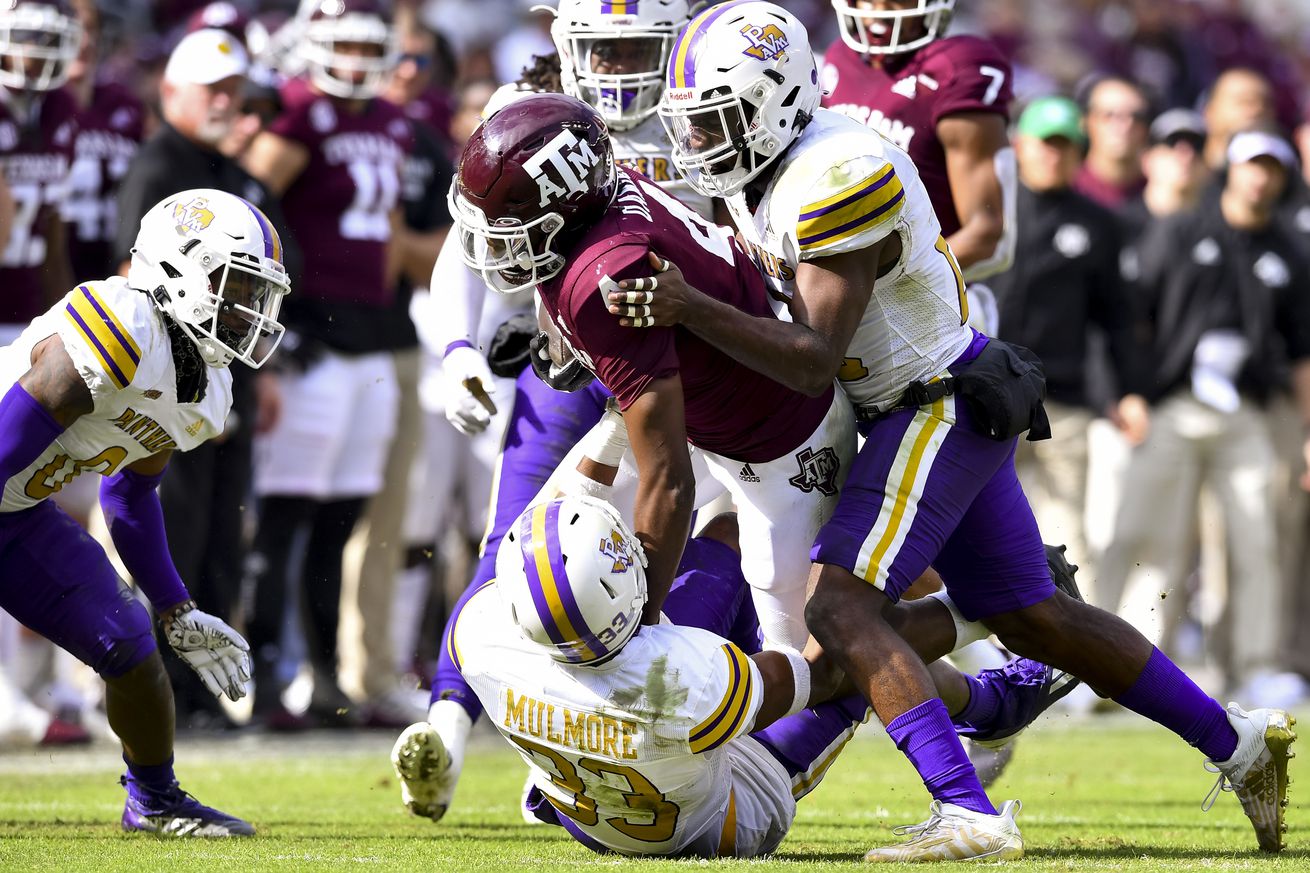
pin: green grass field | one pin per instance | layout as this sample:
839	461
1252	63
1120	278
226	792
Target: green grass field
1107	794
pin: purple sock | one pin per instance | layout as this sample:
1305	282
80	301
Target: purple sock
927	737
1165	695
984	700
152	778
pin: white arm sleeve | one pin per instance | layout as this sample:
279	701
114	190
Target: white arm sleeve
457	297
1007	174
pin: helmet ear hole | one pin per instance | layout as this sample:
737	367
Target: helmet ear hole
609	589
169	270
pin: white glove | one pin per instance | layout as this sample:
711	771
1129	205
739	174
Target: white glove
608	440
469	387
218	654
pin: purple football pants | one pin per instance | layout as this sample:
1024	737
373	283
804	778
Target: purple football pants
58	581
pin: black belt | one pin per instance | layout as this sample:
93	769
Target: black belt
916	395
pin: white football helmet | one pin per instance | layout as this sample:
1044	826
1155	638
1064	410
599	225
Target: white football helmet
595	36
883	32
348	74
213	263
573	579
39	40
742	85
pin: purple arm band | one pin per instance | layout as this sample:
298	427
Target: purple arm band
457	344
26	430
136	523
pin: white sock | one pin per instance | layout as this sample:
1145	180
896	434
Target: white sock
452	724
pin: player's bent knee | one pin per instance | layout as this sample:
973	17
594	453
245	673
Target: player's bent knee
123	641
843	604
1032	631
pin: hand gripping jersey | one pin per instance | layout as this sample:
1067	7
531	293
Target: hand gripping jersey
904	101
34	157
117	340
109	131
841	187
638	752
340	206
731	410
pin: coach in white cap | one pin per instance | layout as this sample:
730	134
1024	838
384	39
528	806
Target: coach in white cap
1226	288
200	98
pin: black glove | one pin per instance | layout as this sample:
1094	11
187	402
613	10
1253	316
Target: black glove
569	378
508	353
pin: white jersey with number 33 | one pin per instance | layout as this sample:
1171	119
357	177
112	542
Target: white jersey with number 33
842	187
643	753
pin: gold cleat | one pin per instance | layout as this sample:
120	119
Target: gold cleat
953	833
1257	771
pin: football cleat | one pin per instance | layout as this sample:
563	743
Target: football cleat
953	833
1027	688
426	771
1257	771
175	813
1062	572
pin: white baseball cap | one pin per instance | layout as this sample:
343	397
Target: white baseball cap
1252	144
204	57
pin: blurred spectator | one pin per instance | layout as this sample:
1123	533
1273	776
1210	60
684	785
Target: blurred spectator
334	155
1221	284
1175	174
1240	99
1065	283
419	84
110	127
1117	114
206	490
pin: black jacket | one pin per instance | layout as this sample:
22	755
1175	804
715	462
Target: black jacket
1196	271
1064	285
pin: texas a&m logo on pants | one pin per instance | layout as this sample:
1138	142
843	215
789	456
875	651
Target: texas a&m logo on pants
818	470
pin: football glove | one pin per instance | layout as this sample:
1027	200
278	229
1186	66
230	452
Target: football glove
218	654
469	389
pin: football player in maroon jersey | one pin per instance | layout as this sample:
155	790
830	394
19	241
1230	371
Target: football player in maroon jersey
334	155
110	127
38	41
942	99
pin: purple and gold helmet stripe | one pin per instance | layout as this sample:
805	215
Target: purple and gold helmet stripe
548	582
272	242
682	68
621	7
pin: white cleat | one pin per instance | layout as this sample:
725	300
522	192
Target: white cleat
953	833
1257	772
426	771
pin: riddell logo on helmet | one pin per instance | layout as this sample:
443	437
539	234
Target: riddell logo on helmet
686	94
562	166
194	216
767	42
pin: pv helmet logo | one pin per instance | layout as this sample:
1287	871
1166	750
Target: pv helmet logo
562	166
767	42
194	216
616	549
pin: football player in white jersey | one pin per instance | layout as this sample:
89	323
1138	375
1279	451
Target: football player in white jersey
877	301
612	56
112	379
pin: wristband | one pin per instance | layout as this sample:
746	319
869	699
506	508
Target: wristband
608	440
457	344
966	632
800	678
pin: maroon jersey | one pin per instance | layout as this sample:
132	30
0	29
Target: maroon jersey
109	131
34	158
731	410
340	206
904	100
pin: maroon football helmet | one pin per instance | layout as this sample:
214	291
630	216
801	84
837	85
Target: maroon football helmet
533	176
349	47
39	39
